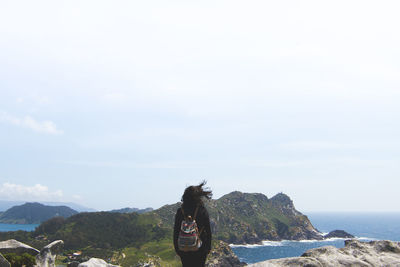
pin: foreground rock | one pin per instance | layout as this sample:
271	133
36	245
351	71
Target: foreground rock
151	261
355	253
14	246
47	256
94	262
223	256
4	262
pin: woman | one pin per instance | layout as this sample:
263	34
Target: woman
193	209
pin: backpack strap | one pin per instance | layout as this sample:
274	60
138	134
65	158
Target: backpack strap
183	212
195	212
194	217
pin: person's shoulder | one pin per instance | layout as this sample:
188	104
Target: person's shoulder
203	209
179	211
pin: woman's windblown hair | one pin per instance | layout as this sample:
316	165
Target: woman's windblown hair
193	195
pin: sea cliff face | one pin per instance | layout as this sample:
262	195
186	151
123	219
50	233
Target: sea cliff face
244	218
355	253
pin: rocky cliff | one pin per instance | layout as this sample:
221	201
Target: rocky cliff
244	218
355	253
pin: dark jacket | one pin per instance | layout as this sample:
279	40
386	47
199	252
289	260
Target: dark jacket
203	223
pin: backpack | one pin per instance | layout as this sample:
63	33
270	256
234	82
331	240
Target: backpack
189	235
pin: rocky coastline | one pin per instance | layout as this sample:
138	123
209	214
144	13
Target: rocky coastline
355	253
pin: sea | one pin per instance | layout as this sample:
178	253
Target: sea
4	227
364	226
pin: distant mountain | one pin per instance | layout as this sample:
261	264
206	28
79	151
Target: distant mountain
34	213
130	210
6	204
74	206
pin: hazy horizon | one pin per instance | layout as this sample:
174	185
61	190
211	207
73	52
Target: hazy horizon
124	104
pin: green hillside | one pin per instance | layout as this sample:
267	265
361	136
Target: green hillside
103	230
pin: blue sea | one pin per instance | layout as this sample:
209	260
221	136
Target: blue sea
4	227
365	226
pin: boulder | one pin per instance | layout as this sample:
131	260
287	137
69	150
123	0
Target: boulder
95	262
339	234
151	261
14	246
4	262
355	253
223	256
47	256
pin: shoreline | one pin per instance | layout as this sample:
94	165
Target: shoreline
275	243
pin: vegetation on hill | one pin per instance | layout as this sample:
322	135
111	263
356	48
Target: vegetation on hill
103	230
130	210
34	213
129	238
20	260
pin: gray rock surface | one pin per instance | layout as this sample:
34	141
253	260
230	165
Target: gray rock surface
339	234
73	264
94	262
4	262
223	256
14	246
355	253
47	256
151	261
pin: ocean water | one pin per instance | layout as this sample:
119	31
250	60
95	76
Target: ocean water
365	226
4	227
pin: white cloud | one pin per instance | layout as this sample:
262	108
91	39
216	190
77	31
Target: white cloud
37	192
46	126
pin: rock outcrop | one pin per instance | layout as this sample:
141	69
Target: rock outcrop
244	218
14	246
47	256
223	256
339	234
4	262
355	253
95	262
150	262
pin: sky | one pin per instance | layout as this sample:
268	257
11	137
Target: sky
113	104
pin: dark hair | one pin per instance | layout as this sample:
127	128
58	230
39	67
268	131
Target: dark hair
194	194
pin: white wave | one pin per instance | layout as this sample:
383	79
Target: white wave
268	243
366	238
265	243
245	246
273	243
